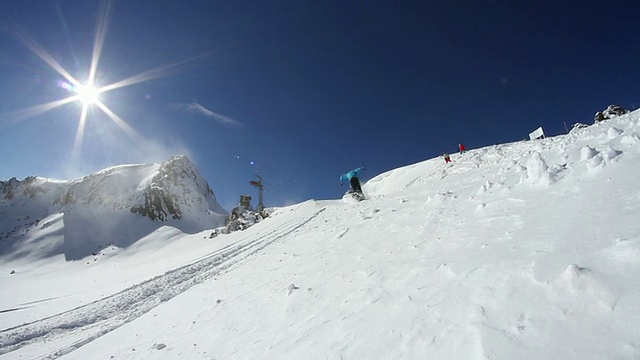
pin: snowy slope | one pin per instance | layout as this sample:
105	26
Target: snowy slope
528	250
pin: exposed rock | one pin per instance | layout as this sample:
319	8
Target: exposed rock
610	112
240	218
158	205
30	187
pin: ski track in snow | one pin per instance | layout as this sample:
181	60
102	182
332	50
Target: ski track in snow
94	320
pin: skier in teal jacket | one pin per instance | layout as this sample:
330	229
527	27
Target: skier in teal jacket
352	177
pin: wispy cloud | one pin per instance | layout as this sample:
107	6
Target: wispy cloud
199	109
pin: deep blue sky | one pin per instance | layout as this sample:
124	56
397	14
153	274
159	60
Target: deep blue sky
307	90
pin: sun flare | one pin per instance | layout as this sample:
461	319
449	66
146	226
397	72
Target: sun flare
88	95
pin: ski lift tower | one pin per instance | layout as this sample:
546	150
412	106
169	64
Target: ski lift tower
258	184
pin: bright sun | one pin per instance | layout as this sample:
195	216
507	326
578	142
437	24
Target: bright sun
88	95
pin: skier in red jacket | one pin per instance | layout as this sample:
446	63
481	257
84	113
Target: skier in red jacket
461	148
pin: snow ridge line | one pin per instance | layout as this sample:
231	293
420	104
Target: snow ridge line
108	314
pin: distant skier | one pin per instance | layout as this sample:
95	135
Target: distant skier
354	182
461	148
446	157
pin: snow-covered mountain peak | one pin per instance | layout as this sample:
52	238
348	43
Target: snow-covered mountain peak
93	210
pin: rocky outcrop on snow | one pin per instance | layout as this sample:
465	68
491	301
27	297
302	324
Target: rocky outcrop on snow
577	126
241	218
610	112
30	187
115	206
176	187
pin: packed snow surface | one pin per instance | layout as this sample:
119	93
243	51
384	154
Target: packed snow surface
527	250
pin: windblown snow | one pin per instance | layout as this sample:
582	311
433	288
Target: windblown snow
527	250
